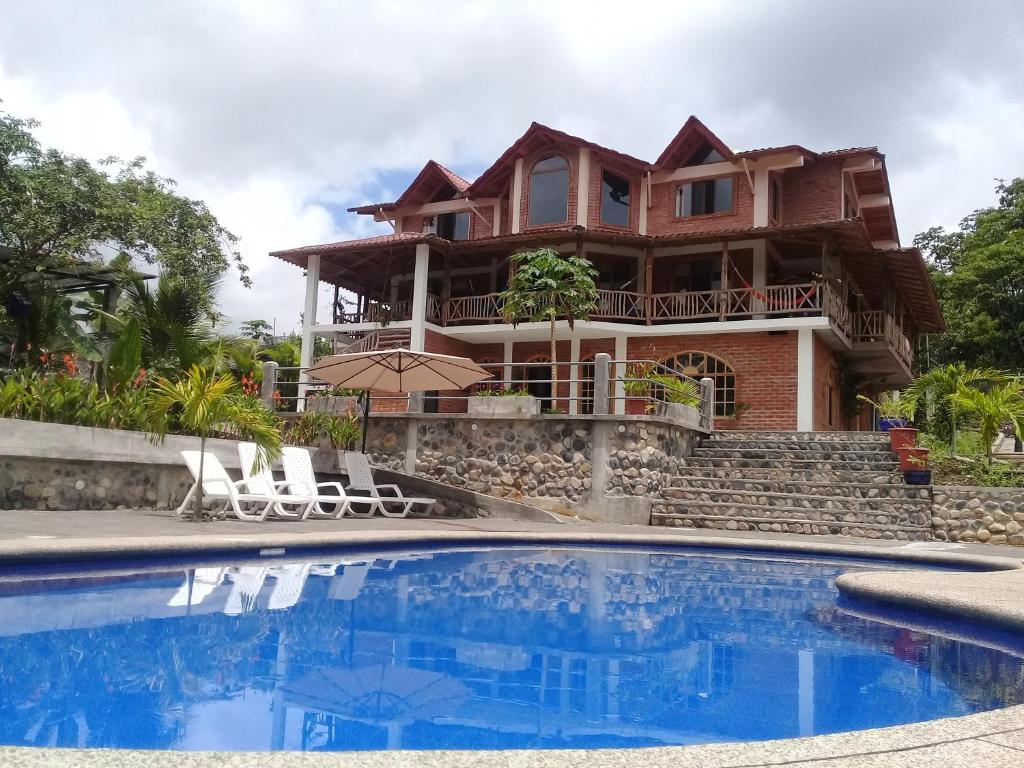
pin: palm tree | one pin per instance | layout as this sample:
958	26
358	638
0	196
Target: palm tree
200	402
546	286
1000	405
939	384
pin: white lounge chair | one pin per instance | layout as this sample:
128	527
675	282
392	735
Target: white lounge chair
288	583
262	481
218	486
298	473
360	478
204	581
246	585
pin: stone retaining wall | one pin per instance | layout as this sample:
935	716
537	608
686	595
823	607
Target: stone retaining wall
967	514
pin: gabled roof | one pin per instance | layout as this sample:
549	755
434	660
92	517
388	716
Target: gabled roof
537	136
432	180
690	137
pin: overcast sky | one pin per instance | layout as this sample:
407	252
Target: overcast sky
281	114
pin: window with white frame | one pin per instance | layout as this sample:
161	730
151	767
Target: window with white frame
705	197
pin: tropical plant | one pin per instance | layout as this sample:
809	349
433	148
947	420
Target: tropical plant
201	402
891	405
933	388
340	431
499	391
991	409
255	329
637	382
677	390
546	286
60	212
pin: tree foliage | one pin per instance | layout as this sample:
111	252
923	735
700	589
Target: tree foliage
547	286
978	272
59	212
991	409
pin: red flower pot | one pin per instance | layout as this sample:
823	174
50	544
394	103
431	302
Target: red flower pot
912	458
902	437
636	406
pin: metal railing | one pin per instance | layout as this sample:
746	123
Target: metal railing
610	387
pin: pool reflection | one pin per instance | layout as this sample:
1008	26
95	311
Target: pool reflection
479	650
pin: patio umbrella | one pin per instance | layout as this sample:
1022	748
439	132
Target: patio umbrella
396	370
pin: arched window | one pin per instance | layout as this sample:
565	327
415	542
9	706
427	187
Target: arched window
700	365
549	191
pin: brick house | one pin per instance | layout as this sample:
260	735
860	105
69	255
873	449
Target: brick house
776	272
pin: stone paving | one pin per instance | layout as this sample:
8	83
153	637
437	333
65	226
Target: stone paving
992	739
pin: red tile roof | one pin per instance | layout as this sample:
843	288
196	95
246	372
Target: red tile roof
298	255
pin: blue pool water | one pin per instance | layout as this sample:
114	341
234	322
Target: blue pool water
483	649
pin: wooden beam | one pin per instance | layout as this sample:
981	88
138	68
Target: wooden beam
873	201
648	283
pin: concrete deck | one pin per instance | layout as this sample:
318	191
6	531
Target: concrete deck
992	739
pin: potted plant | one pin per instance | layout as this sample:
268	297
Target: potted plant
912	458
893	410
918	474
637	386
501	402
902	437
678	398
335	400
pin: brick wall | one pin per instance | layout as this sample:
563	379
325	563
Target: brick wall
662	220
765	368
446	345
811	193
484	227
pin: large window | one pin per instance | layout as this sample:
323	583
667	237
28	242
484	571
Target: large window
549	191
614	200
452	226
702	198
700	365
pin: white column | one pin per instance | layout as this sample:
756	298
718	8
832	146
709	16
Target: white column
496	219
515	204
308	321
805	380
506	357
574	373
643	206
761	197
620	374
418	333
805	692
583	188
760	276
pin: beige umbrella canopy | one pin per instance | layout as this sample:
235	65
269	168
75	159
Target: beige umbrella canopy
396	370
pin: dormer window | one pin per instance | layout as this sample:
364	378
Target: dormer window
614	200
549	191
703	198
450	226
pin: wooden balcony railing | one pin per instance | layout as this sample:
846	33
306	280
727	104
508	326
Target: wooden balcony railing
878	327
619	305
480	309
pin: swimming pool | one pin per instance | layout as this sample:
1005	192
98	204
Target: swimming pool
505	648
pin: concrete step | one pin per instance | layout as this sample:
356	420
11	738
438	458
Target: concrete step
712	469
806	454
870	438
853	490
722	443
881	467
739	523
798	501
918	517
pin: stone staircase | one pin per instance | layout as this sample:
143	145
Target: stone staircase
798	482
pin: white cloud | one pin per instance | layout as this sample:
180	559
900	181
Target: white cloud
278	114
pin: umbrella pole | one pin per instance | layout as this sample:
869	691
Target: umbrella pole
366	417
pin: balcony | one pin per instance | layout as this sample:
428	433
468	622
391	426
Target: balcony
870	331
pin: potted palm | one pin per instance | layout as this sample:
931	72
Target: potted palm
893	410
678	399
